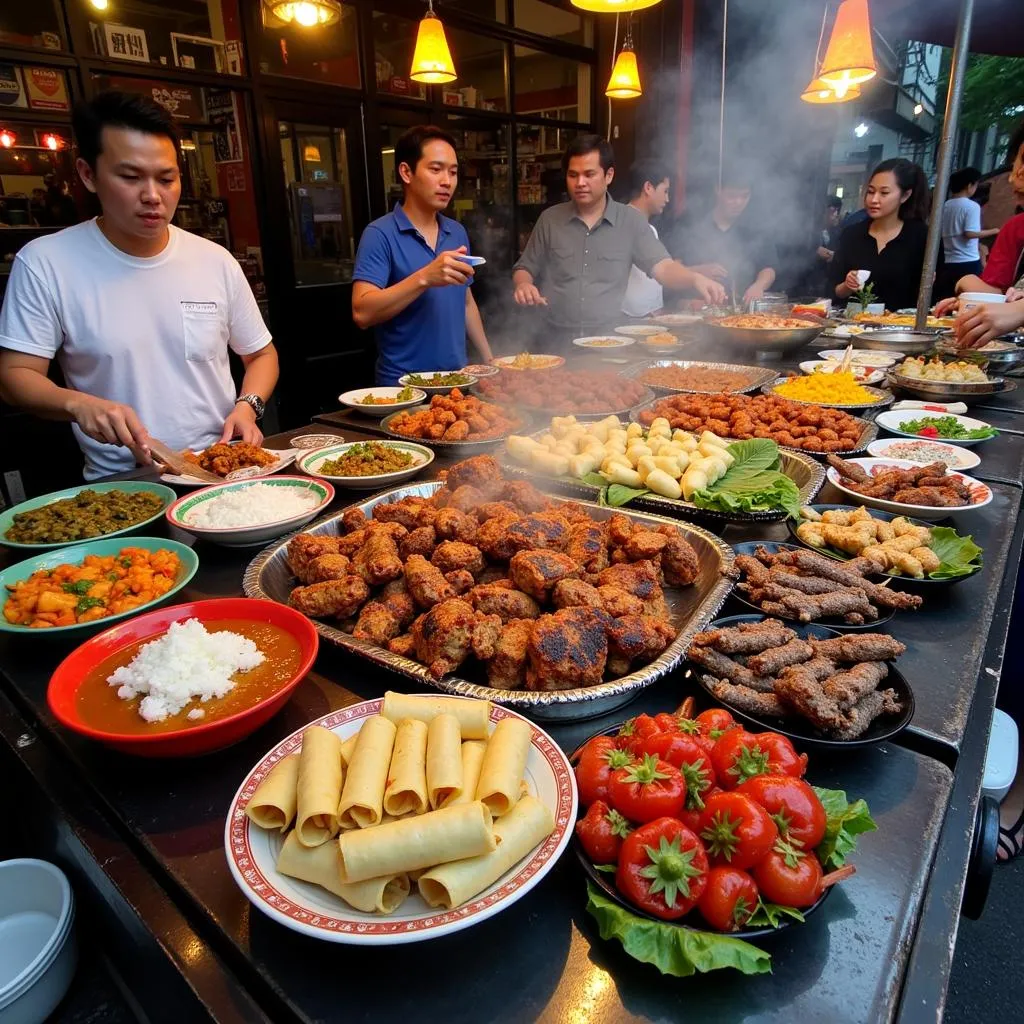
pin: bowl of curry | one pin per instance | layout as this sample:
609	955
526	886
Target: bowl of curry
82	699
367	465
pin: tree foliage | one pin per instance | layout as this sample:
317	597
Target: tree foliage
993	93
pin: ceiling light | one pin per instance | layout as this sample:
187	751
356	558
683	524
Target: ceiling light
51	141
918	109
306	13
100	5
613	6
7	138
861	130
819	91
624	83
432	61
850	57
311	154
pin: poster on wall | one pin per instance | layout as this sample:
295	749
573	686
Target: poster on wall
126	43
12	91
222	110
47	89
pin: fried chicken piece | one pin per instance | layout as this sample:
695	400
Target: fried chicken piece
327	567
524	496
679	561
481	471
376	624
505	602
486	632
493	540
775	659
351	542
497	510
747	637
537	572
465	499
588	545
641	580
396	598
304	547
451	524
539	530
338	598
353	519
644	544
618	602
747	699
420	541
426	582
862	647
403	512
620	529
444	636
567	649
573	512
495	574
576	594
378	561
450	555
638	638
404	645
462	581
506	668
849	470
427	515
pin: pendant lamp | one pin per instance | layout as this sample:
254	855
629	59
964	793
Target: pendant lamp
818	91
307	13
613	6
850	57
624	83
432	61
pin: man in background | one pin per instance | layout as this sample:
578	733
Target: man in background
582	251
961	231
722	245
649	194
828	238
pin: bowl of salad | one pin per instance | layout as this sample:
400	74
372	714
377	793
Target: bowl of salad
381	401
439	382
945	427
923	451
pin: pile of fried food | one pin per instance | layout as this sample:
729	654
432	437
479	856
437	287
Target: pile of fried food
897	546
959	372
454	417
923	485
808	587
565	391
223	459
741	417
546	597
764	668
764	322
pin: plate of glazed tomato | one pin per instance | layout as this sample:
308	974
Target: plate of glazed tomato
696	822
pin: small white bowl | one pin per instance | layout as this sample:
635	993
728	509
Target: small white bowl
603	341
981	492
38	950
422	457
968	299
353	399
891	419
438	389
936	450
249	536
863	374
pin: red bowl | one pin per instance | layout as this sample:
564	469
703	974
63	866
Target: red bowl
198	739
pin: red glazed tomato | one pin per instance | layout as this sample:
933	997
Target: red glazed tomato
662	869
635	731
736	831
647	790
729	898
789	876
601	831
791	804
599	759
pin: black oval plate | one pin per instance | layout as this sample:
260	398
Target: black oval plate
748	547
604	881
887	517
796	728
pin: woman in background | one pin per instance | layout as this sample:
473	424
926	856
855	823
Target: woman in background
891	242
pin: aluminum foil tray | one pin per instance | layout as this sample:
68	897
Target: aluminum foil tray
759	375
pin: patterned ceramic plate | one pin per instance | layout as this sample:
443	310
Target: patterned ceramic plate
281	459
306	908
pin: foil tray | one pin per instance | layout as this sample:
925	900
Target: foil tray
269	577
883	400
759	376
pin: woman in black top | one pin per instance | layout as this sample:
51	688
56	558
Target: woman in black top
891	242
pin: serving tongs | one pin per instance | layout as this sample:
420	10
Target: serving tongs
177	464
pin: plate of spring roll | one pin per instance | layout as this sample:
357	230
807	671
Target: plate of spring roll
400	819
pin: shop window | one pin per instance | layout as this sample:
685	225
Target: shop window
194	35
551	86
39	188
554	21
491	10
35	25
480	62
389	135
394	40
319	53
541	184
316	175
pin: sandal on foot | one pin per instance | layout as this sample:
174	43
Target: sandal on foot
1011	841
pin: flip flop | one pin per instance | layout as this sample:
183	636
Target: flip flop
1011	841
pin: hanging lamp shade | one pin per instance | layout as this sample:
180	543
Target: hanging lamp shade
432	61
850	57
624	83
819	91
311	154
307	13
613	6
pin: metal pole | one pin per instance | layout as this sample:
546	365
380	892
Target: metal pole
957	70
721	110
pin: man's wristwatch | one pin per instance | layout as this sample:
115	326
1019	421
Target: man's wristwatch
255	403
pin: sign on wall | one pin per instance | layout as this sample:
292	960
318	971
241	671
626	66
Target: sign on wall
126	43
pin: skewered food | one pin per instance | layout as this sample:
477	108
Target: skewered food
564	391
923	485
454	417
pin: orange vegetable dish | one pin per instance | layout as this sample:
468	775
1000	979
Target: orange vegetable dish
100	586
455	417
226	458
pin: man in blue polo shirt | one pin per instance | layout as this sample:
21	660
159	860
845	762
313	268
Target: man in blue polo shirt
409	281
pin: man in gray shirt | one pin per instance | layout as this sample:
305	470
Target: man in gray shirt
582	250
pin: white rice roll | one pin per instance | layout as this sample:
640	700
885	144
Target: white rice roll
657	442
662	483
617	474
712	452
599	430
581	465
682	436
549	463
693	480
566	449
636	452
714	439
618	436
715	469
668	464
688	443
645	466
634	430
521	447
548	441
615	459
561	425
660	426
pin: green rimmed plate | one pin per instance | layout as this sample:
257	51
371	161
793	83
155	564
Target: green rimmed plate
421	456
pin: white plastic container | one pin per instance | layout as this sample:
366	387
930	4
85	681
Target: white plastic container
1001	760
38	951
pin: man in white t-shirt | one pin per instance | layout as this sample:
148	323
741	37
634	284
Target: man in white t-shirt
139	314
961	230
648	192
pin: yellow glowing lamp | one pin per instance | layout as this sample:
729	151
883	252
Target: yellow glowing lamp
306	13
432	61
613	6
311	154
624	83
819	91
850	57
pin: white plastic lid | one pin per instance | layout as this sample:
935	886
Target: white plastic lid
1001	761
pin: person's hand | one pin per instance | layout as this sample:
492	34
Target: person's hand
1014	294
944	306
242	424
111	423
979	325
710	291
447	269
825	254
753	293
852	282
528	295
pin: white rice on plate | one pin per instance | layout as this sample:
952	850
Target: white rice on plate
251	506
186	663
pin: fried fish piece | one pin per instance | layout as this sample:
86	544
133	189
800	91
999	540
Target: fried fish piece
332	598
746	698
451	524
462	581
353	519
481	471
747	637
403	512
420	541
859	647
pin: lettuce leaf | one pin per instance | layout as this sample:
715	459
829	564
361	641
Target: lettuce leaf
615	495
844	822
772	914
959	555
753	482
673	950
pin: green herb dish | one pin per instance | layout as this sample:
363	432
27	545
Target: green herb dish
75	556
7	518
947	428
